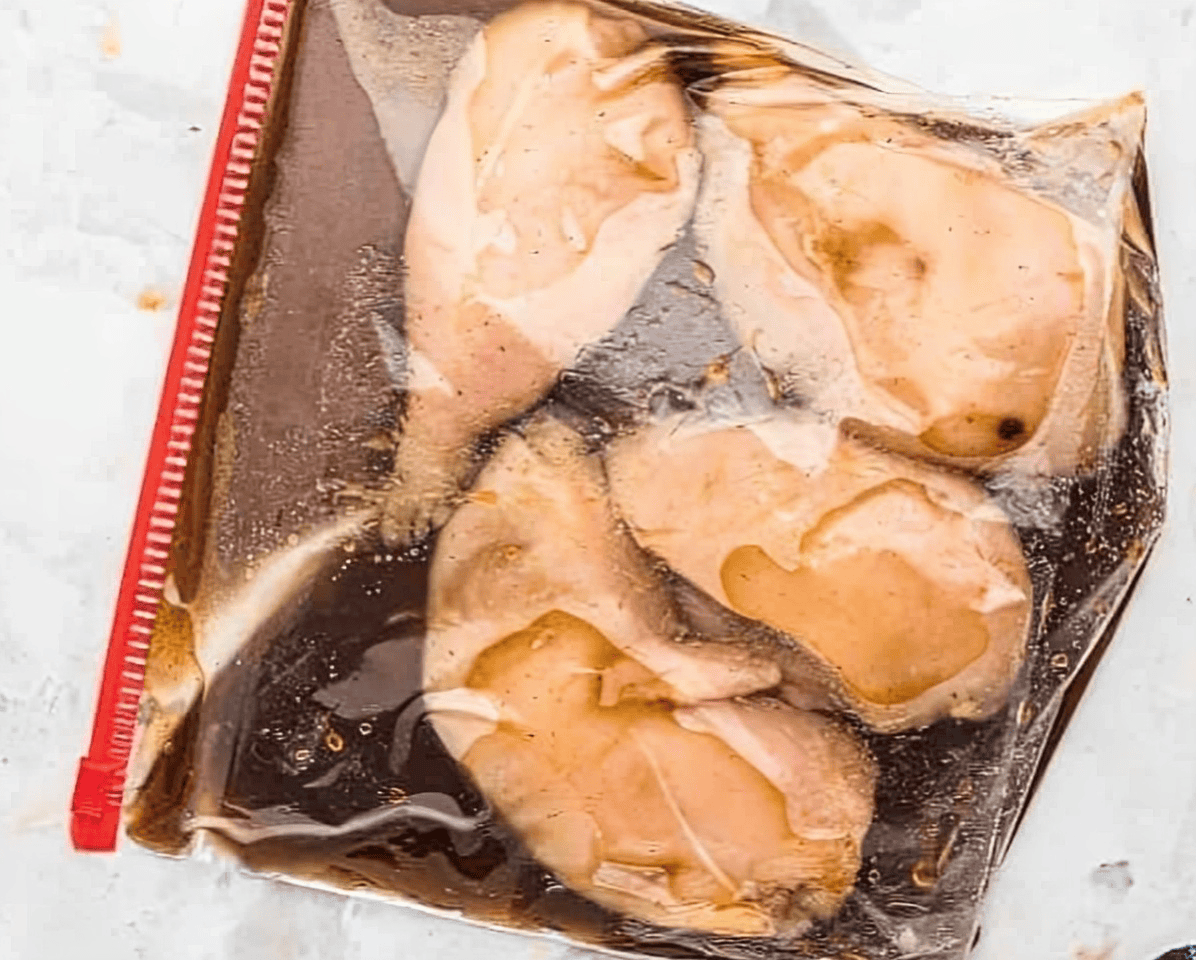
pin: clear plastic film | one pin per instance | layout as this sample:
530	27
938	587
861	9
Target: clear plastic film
658	483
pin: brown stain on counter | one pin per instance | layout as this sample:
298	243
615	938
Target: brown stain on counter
151	299
110	43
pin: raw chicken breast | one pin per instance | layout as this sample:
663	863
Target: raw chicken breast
906	582
910	283
560	171
612	747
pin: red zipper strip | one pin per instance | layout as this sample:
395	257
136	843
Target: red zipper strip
99	788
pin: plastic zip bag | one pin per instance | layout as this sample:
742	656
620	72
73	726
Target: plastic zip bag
461	373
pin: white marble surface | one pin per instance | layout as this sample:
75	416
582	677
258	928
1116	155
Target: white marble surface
107	115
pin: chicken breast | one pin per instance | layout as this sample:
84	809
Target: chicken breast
556	674
904	581
561	169
908	282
